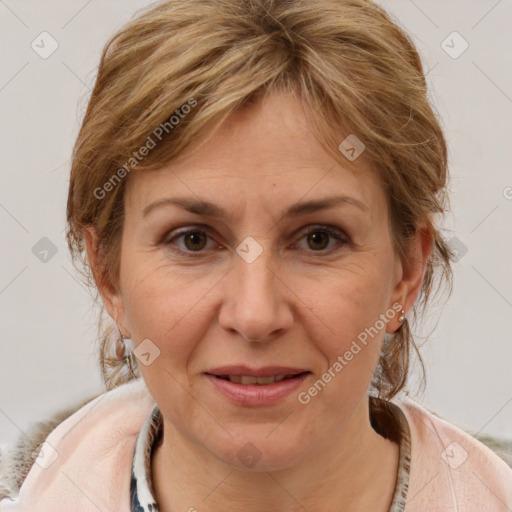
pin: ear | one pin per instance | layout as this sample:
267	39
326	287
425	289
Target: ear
409	273
109	293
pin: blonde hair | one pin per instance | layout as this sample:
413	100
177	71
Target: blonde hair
354	69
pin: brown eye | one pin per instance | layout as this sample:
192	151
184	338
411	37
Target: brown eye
190	241
318	240
195	240
323	239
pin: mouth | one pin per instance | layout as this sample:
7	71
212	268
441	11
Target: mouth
256	387
258	381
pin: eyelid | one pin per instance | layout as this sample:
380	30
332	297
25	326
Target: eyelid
333	230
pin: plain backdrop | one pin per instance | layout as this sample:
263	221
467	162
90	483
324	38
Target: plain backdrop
47	318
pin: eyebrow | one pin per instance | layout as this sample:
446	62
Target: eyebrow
208	209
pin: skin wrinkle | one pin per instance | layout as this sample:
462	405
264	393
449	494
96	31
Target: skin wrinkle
199	312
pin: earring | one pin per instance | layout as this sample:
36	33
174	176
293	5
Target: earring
124	354
120	347
402	317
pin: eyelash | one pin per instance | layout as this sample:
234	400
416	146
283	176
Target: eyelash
334	233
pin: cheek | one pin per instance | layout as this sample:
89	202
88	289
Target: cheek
347	321
163	305
348	332
349	300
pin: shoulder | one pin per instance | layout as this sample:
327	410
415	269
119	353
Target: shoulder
450	468
83	445
17	459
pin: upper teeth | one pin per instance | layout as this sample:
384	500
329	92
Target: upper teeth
247	379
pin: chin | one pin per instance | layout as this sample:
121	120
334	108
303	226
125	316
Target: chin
261	448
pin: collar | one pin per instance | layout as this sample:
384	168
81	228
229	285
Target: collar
386	418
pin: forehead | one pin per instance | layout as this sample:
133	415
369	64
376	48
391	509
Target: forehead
264	154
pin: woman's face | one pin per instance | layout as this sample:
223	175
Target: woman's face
242	283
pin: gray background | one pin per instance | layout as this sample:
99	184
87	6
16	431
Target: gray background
47	318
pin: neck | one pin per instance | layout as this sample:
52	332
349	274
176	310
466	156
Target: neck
356	470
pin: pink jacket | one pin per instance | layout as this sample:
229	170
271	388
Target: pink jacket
85	463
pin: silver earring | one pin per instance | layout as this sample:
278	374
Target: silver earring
120	347
402	317
124	354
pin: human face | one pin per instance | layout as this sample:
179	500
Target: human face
301	303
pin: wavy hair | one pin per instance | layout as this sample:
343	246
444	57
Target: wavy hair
355	70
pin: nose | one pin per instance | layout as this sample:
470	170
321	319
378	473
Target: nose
256	302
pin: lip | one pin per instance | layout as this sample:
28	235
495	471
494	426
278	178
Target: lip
267	371
257	394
